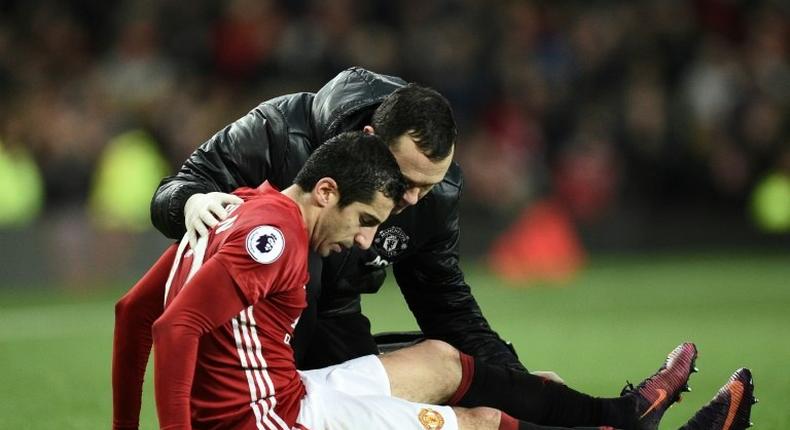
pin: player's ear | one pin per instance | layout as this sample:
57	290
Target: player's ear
368	129
325	192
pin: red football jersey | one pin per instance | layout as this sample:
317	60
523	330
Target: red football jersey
245	376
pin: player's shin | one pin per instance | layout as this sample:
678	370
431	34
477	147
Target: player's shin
536	399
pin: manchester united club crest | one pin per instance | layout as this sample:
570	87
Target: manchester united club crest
392	241
430	419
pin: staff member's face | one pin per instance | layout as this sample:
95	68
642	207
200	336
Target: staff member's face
420	172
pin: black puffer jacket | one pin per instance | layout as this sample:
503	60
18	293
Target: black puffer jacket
272	143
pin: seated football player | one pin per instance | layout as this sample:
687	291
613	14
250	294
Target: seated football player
224	321
221	315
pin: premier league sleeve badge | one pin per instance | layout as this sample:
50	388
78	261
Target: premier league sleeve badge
265	244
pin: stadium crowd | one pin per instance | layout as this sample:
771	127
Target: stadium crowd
607	107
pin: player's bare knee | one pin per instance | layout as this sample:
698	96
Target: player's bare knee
477	418
444	350
428	372
445	361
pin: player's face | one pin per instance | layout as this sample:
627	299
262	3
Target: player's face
420	172
354	224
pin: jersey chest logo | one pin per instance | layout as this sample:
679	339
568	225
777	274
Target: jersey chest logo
392	241
265	244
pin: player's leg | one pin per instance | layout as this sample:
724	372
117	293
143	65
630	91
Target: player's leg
477	418
355	394
360	390
428	372
544	402
434	372
326	408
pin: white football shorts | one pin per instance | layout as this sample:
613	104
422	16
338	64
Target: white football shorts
356	395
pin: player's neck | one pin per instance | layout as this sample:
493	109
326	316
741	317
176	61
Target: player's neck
303	201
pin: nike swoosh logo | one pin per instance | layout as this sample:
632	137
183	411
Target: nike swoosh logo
736	392
662	394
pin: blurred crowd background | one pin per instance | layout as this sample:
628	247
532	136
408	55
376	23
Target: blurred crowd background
584	126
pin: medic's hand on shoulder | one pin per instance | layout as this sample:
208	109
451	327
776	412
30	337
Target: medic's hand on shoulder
204	211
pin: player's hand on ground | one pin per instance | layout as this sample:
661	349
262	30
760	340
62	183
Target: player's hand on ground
204	211
551	376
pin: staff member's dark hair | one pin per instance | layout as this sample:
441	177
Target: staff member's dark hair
421	112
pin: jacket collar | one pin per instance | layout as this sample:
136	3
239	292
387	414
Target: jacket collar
346	102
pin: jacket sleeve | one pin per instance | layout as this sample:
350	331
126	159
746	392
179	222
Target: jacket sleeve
434	288
238	155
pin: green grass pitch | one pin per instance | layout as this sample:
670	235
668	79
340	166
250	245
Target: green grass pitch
616	321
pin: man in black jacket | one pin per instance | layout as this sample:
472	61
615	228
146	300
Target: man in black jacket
420	242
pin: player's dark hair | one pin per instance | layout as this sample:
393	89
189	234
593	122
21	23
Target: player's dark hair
360	164
421	112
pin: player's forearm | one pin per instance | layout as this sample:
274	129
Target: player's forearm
174	360
130	355
176	336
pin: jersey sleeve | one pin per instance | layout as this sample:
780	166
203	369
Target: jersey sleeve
256	258
135	314
196	310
